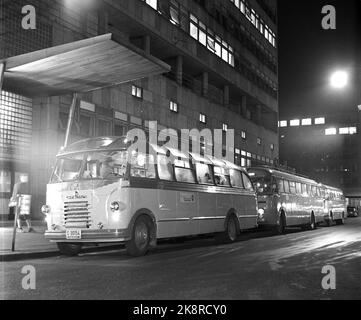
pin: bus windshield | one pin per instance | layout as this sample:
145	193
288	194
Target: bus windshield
95	165
263	182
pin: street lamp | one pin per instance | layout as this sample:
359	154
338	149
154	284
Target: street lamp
339	79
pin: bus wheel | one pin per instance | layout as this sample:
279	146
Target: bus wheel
231	233
281	225
139	244
69	249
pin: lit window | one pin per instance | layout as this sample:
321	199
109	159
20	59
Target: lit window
244	135
272	147
202	118
331	131
306	122
173	106
152	3
344	131
225	127
212	42
137	92
295	123
353	130
283	124
320	121
259	141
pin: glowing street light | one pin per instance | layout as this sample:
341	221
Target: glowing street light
339	79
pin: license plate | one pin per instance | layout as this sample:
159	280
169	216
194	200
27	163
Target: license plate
73	234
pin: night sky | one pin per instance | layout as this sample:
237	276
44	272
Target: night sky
308	55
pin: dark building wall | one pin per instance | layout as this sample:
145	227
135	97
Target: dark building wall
242	95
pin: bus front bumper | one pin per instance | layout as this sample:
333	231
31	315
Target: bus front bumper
90	236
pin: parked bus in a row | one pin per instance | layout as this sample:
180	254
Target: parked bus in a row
290	200
97	195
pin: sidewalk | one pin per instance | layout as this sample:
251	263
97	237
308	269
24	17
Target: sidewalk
27	245
34	245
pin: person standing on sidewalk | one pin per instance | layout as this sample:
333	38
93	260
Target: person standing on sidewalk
21	190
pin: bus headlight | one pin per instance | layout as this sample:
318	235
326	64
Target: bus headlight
117	206
45	209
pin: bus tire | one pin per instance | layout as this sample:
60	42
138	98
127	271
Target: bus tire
139	245
231	232
69	249
281	225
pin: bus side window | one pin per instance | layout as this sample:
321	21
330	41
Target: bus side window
204	174
143	166
292	187
183	172
236	179
165	168
304	189
298	188
247	182
287	186
221	177
281	188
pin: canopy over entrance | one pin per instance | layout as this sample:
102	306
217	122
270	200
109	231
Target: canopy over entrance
80	66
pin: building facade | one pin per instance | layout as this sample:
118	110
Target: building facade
326	148
224	60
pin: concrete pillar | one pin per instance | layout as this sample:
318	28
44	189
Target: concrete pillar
226	95
146	44
205	83
244	106
2	73
45	146
179	70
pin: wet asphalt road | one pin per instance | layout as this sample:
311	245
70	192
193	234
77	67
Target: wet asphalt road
258	266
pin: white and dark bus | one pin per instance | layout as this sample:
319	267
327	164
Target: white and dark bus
290	200
100	192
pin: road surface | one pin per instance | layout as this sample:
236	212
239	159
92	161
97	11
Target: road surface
258	266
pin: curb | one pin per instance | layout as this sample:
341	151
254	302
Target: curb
11	257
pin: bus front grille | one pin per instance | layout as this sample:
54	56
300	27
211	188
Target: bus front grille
77	215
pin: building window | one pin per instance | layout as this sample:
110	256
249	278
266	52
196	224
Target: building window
306	122
272	147
331	131
202	118
255	19
137	92
320	121
259	141
244	135
210	40
283	124
225	127
295	123
350	131
173	106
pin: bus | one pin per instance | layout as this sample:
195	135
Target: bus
101	192
335	205
286	200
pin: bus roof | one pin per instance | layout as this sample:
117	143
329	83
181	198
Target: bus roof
283	174
122	143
